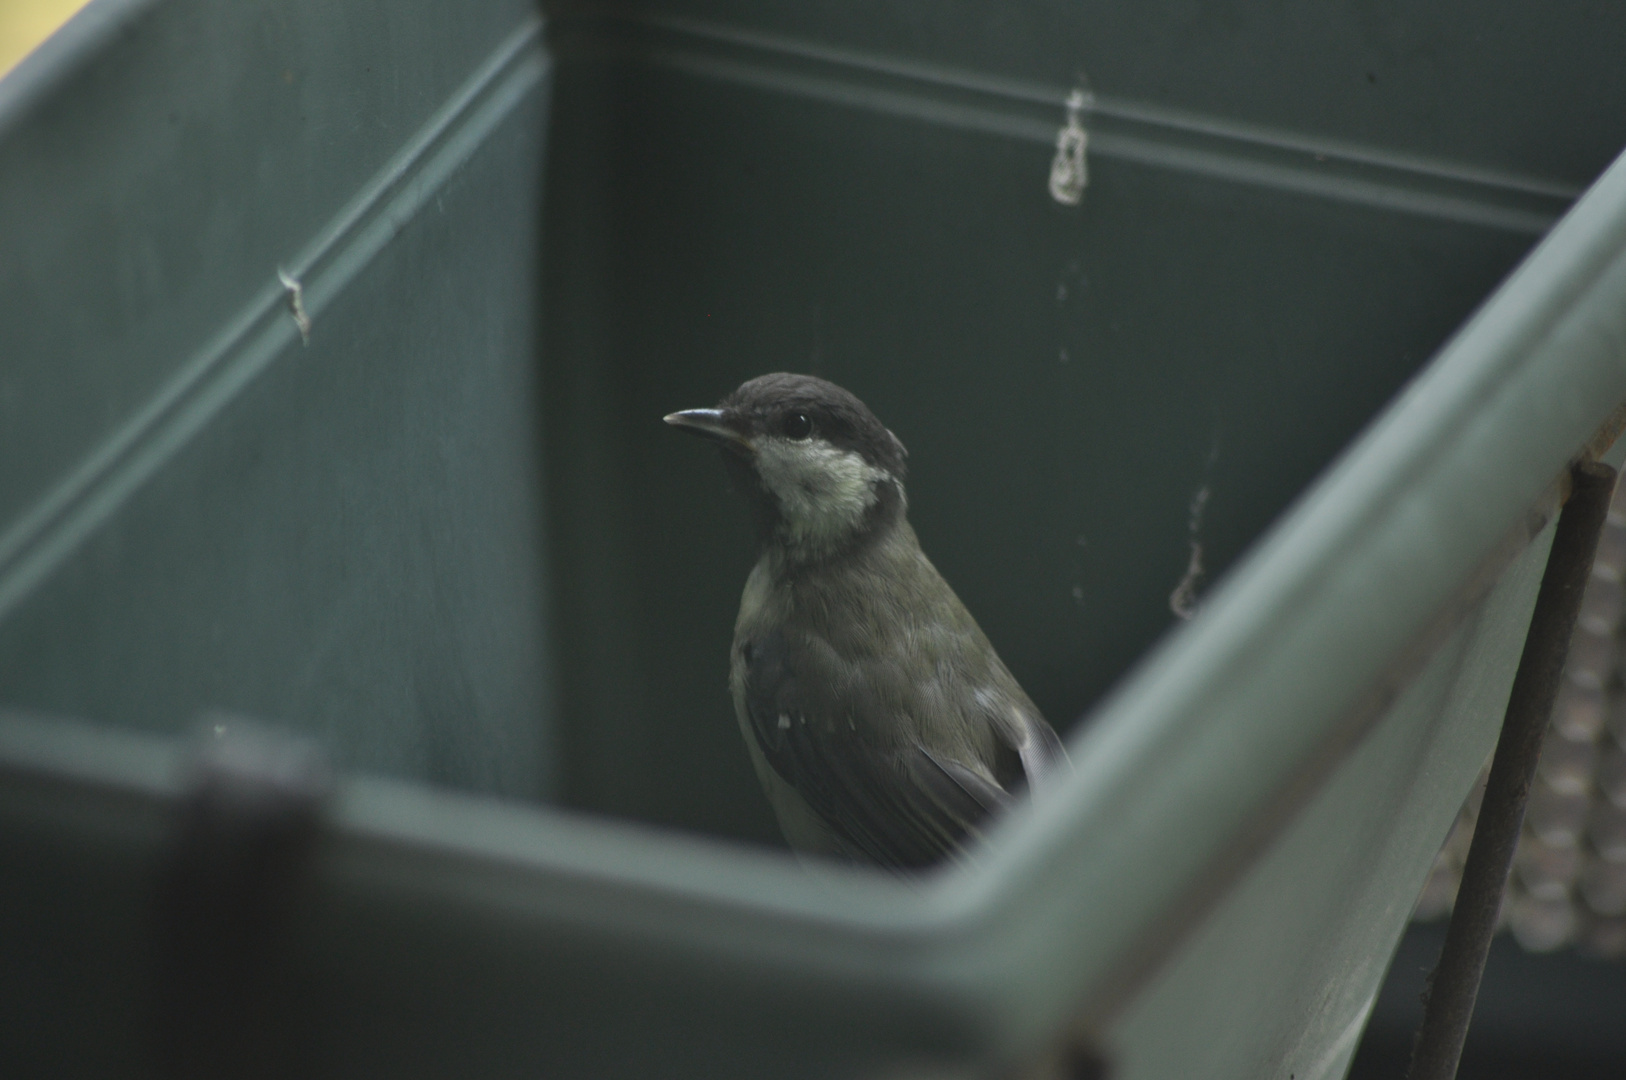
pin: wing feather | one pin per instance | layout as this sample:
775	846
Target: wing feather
901	805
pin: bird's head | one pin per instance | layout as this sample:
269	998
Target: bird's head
820	470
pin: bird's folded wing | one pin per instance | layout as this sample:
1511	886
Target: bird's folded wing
1020	727
902	805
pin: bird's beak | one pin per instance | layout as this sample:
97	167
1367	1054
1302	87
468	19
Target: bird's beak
719	424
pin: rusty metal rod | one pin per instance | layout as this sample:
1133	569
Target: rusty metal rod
1454	986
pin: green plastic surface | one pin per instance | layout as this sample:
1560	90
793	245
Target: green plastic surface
429	513
202	513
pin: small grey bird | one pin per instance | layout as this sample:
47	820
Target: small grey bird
881	722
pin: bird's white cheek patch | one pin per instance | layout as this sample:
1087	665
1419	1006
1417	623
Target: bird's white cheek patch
823	491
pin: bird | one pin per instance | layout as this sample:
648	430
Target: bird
883	726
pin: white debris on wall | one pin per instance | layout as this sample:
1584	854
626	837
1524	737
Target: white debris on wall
1068	172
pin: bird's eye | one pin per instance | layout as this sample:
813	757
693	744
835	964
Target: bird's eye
796	425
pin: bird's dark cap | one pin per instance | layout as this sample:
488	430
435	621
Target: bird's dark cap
796	406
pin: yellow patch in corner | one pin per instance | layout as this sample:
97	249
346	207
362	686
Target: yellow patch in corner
26	23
